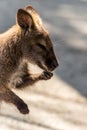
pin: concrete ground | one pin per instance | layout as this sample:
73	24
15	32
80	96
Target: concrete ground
60	103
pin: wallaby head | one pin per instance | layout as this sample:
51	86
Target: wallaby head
37	46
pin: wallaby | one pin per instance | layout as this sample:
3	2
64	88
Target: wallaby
26	42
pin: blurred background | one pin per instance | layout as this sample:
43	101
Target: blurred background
60	103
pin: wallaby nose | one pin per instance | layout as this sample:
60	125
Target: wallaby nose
55	64
52	64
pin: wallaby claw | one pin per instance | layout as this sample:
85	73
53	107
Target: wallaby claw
46	75
23	108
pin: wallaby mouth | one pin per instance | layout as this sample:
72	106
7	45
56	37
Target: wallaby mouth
48	66
42	66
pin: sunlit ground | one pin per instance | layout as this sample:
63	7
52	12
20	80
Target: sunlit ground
54	105
60	103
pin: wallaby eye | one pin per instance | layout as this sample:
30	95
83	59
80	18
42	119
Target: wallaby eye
42	46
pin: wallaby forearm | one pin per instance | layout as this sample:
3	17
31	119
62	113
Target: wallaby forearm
22	78
10	97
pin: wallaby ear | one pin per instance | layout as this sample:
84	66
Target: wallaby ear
24	19
35	16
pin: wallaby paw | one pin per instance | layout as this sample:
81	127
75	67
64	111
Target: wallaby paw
23	108
46	75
